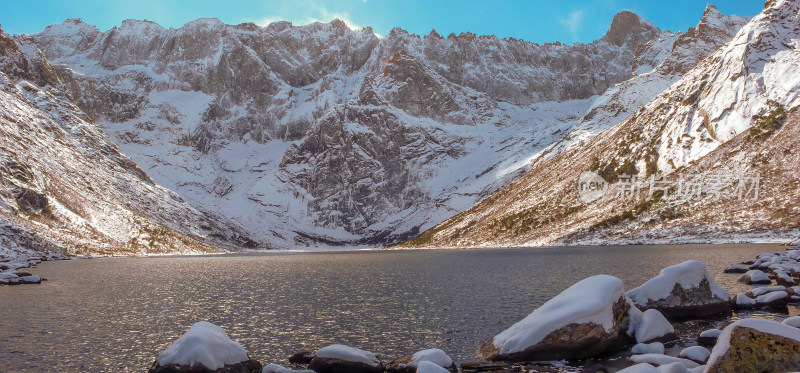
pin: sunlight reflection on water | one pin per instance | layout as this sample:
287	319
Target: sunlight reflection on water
119	314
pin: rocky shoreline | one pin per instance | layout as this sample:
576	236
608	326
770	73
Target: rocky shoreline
15	270
597	326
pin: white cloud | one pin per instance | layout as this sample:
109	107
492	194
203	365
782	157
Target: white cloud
573	22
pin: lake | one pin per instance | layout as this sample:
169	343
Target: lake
118	314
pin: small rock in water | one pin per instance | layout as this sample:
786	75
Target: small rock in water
654	327
340	358
408	364
698	354
755	276
775	299
648	348
31	279
743	302
275	368
737	268
658	359
708	337
302	357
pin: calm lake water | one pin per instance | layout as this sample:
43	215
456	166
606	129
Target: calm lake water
118	314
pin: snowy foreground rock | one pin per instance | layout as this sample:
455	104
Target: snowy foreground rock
340	358
410	363
682	290
755	345
588	318
205	347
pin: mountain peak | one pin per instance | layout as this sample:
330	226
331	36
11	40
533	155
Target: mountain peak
626	26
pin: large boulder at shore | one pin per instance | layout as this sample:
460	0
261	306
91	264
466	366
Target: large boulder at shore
345	359
205	348
589	318
409	363
684	290
756	345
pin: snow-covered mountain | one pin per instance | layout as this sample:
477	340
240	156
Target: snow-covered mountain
321	135
729	124
64	186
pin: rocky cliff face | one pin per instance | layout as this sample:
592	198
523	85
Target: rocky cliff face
722	137
320	135
65	187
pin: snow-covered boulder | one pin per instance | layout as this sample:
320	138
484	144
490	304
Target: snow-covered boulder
784	278
275	368
340	358
757	292
754	276
698	354
409	363
737	268
743	302
205	347
658	359
792	321
33	279
773	299
756	345
708	337
682	290
648	348
430	367
654	327
588	318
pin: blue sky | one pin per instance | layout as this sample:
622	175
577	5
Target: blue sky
533	20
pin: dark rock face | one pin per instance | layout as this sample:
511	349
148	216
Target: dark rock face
627	27
689	303
250	366
330	365
754	350
573	341
302	357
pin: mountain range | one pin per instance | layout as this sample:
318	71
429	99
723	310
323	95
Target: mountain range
143	139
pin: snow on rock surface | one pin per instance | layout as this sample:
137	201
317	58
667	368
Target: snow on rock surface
685	289
597	304
756	345
275	368
793	321
343	358
433	355
695	353
673	368
654	327
658	359
648	348
430	367
203	344
755	276
347	353
743	301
